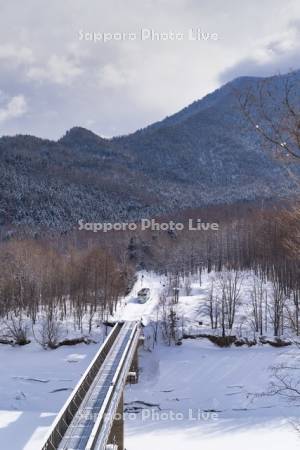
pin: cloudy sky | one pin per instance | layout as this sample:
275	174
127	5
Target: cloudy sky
53	76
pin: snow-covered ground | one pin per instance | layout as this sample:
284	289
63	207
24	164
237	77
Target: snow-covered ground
202	396
198	377
34	384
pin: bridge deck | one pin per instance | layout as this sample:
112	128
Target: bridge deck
79	431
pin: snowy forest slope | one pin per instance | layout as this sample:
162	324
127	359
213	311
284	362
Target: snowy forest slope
205	154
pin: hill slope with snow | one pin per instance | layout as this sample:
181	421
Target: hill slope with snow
205	154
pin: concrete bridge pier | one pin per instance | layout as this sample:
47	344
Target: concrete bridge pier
116	437
133	375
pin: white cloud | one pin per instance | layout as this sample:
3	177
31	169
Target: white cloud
15	107
122	86
58	70
16	55
277	52
114	77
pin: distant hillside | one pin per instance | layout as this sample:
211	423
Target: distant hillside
205	154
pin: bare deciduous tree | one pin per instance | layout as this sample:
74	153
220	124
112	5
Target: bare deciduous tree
230	283
272	108
258	296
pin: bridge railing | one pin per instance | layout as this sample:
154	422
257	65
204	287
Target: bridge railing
64	418
107	413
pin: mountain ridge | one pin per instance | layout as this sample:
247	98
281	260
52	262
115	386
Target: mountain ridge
204	154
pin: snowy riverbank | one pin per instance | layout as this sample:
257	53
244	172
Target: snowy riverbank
201	394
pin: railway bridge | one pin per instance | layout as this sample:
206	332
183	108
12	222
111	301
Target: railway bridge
92	417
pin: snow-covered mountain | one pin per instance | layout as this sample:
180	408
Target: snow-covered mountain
204	154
